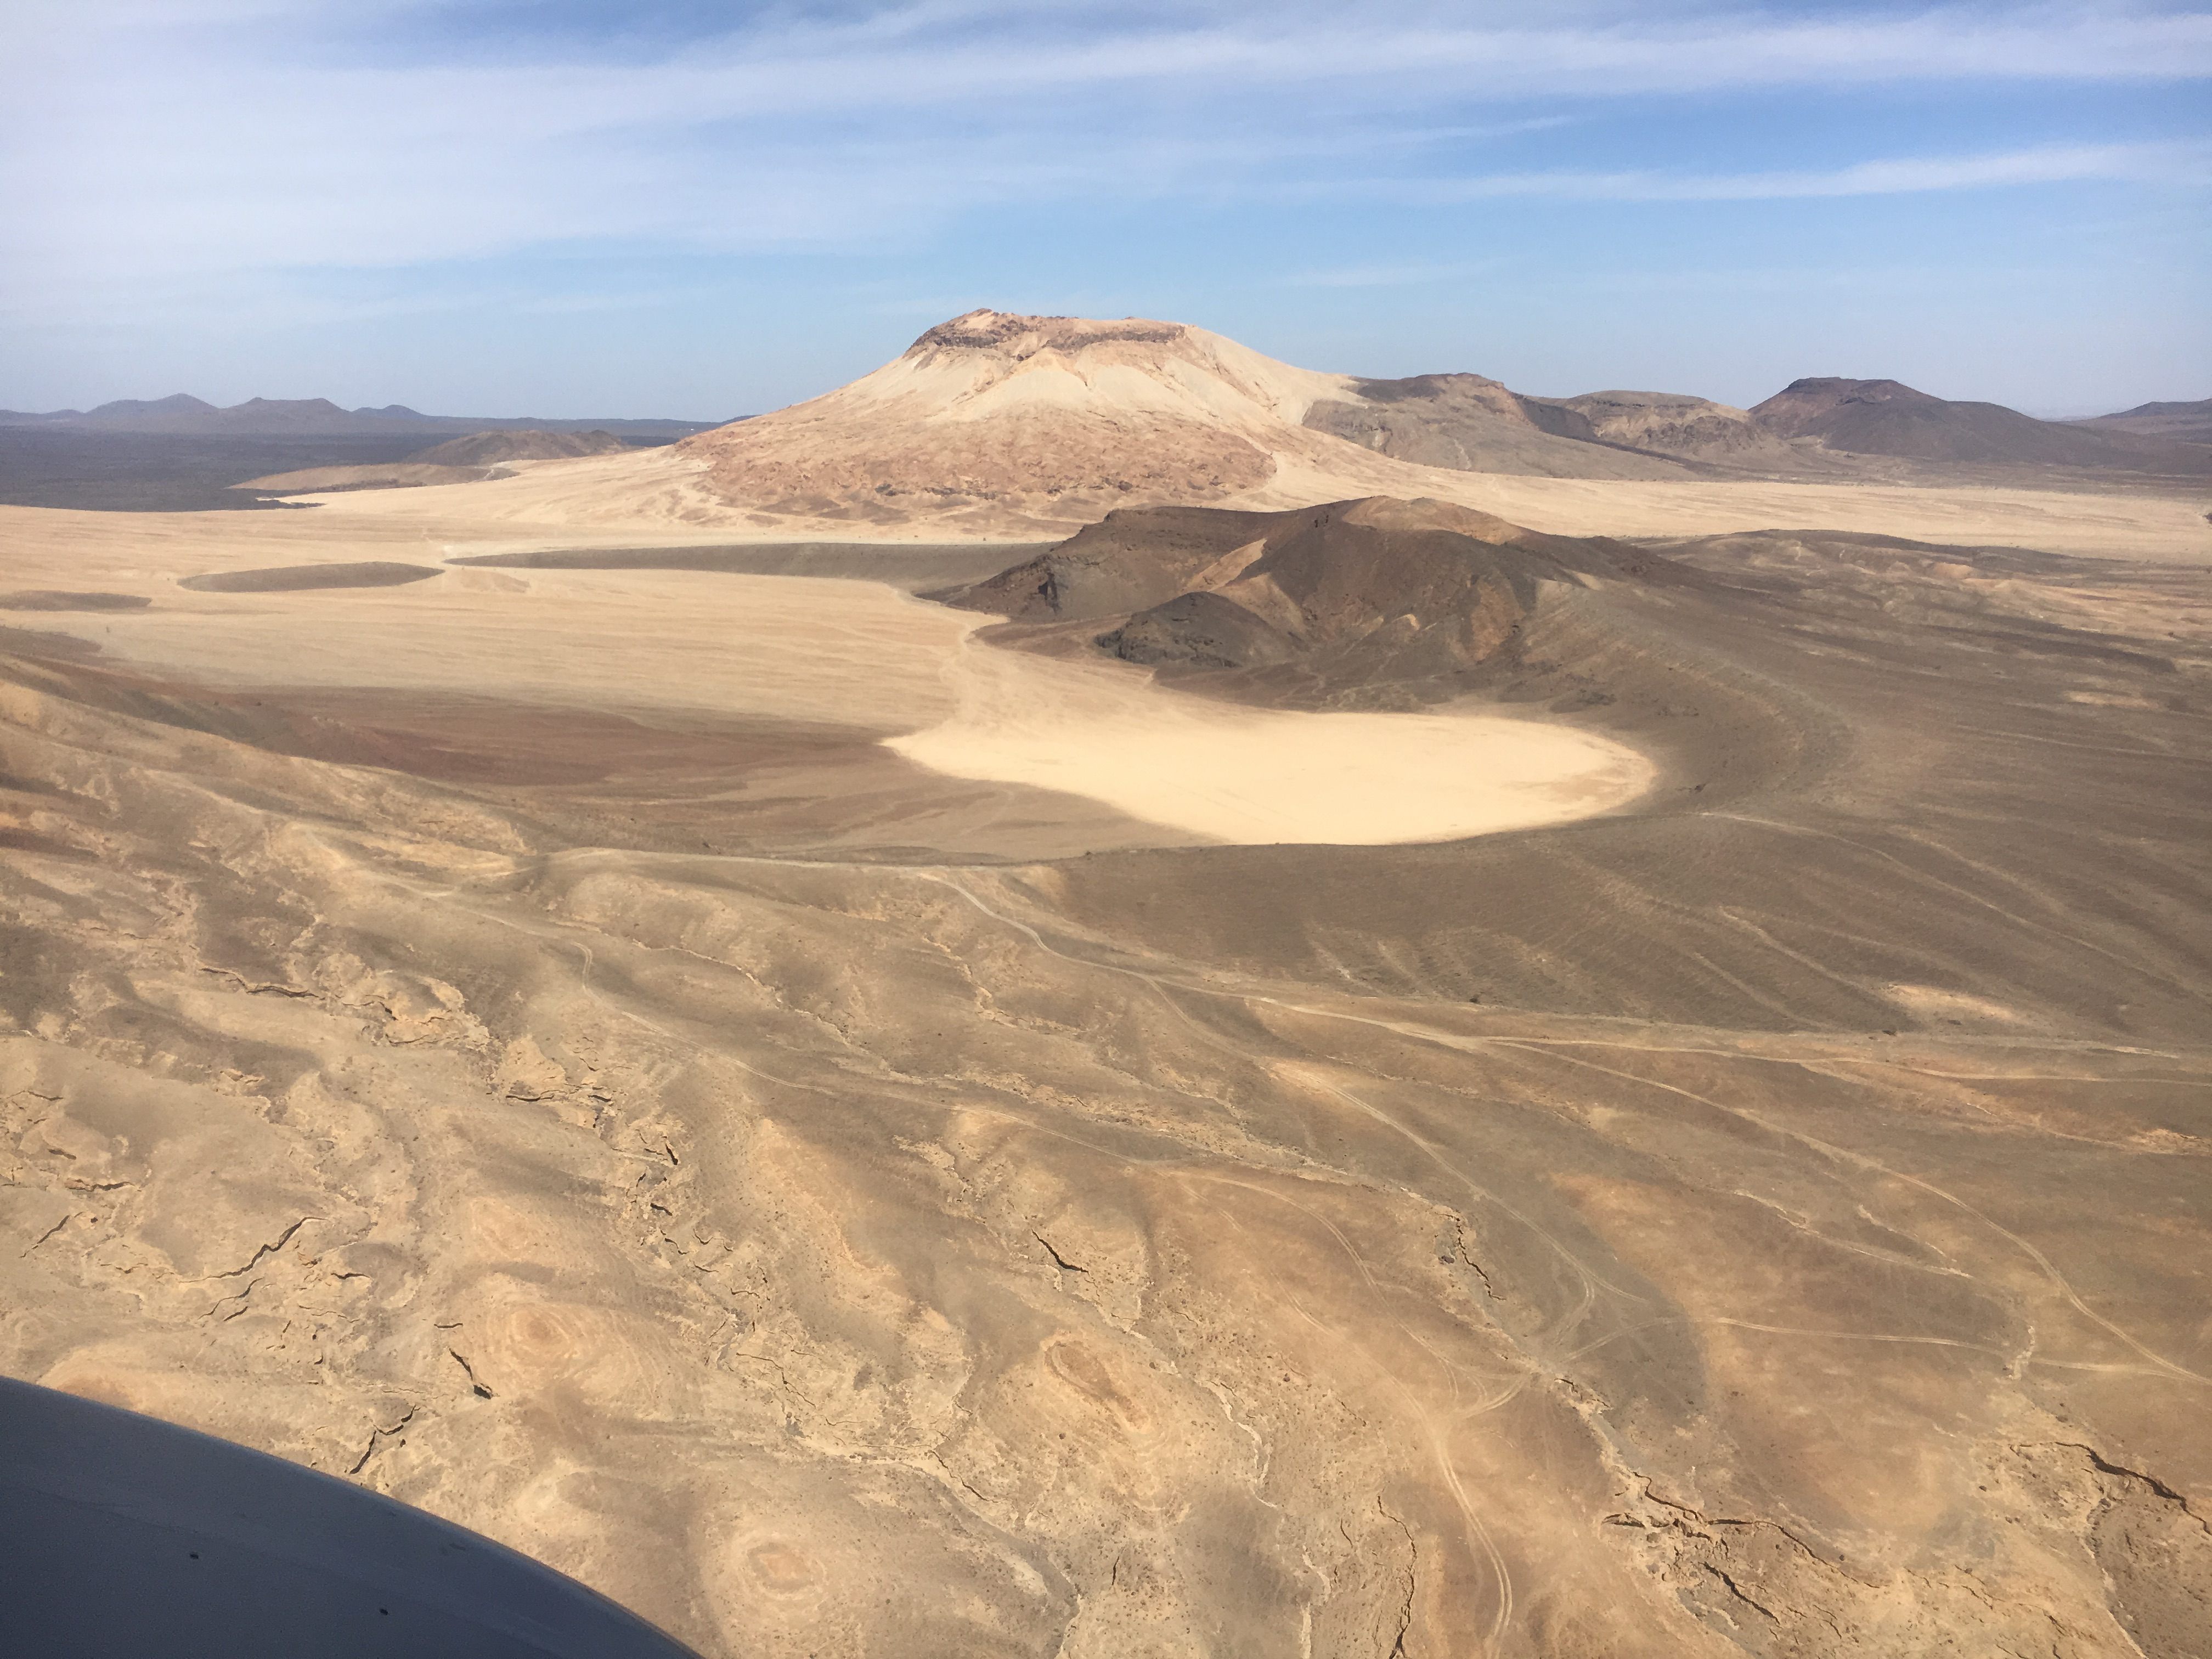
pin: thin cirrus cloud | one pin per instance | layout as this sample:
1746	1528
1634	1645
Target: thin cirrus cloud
144	143
1024	57
2169	163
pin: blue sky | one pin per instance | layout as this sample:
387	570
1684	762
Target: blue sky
671	207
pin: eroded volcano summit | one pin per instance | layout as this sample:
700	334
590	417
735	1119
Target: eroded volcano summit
993	416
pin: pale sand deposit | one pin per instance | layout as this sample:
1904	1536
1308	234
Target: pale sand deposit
1256	776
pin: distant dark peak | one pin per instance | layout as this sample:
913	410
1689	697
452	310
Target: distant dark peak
392	412
288	405
1420	386
1845	390
179	403
1812	406
2201	406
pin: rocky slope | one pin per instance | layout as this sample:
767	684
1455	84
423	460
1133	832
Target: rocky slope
1473	425
1694	428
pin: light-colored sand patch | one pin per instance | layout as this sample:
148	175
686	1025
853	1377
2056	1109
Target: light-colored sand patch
849	653
1261	775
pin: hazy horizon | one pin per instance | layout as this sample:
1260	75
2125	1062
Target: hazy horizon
680	211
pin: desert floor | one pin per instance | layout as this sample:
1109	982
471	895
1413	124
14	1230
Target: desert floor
851	1138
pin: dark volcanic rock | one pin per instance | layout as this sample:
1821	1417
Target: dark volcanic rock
1886	418
49	599
1350	594
1130	559
311	578
1204	630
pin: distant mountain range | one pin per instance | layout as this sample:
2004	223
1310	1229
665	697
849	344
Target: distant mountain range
185	415
1819	427
1822	426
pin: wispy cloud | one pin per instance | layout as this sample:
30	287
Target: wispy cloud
179	137
2175	163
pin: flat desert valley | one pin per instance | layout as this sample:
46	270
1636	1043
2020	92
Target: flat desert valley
1085	999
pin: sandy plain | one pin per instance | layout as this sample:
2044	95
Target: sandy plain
661	495
613	1099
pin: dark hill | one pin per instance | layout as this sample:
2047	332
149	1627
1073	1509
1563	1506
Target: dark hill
2176	422
1353	594
127	408
1128	560
1886	418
